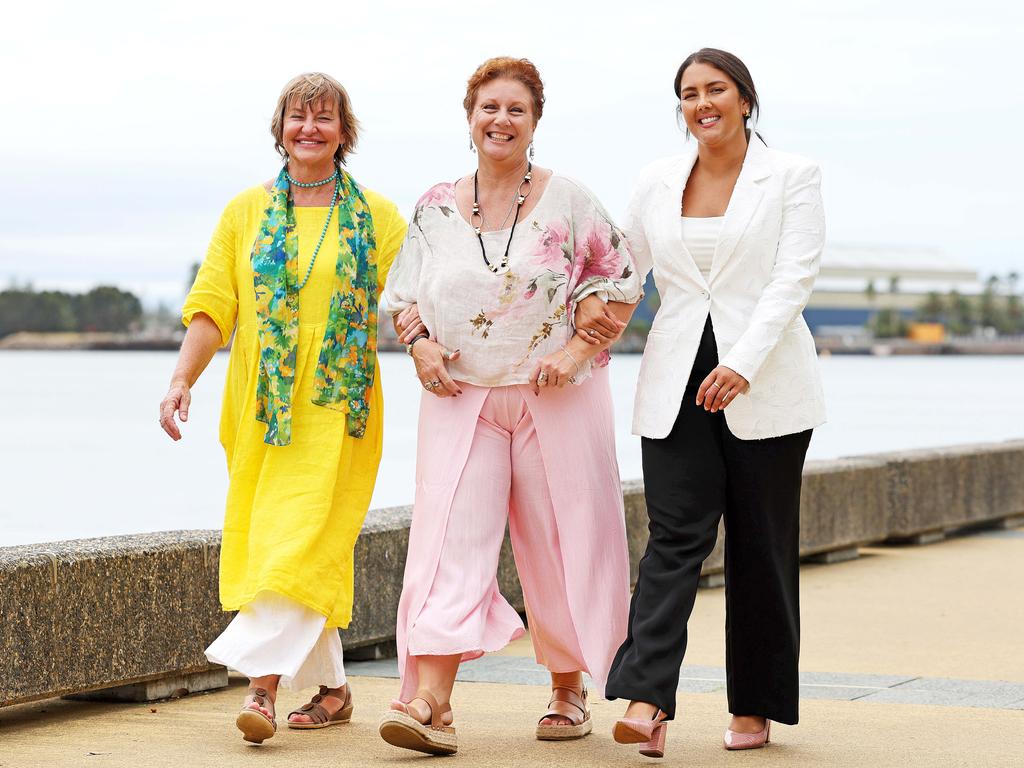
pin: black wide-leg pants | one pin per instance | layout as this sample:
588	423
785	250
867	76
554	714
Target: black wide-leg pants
693	477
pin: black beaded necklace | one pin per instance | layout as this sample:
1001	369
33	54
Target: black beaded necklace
476	215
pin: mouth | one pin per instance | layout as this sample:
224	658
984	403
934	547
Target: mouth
709	120
308	143
501	138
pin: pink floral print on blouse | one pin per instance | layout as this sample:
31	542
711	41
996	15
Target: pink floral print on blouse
566	249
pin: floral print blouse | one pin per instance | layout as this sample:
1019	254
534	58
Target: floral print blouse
566	249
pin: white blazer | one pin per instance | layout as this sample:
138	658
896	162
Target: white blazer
761	277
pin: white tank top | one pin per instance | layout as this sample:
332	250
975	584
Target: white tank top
700	235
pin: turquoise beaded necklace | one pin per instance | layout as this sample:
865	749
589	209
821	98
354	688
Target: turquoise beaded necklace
336	177
310	184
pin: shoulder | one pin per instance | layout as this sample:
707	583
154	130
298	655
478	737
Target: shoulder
791	165
658	171
439	194
575	190
662	167
381	208
254	197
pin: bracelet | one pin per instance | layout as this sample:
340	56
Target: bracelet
566	353
408	347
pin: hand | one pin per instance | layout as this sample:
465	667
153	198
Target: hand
553	370
595	323
409	324
720	388
430	358
177	400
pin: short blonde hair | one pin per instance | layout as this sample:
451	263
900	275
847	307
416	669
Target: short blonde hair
310	88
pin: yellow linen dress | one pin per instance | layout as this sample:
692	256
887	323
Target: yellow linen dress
293	512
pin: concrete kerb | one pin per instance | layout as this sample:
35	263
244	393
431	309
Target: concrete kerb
102	613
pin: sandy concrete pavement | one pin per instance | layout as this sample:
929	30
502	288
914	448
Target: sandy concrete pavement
948	610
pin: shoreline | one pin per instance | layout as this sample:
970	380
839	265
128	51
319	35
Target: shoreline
128	342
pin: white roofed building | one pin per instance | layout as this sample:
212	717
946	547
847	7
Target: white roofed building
842	297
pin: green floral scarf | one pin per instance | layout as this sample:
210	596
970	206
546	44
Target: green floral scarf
348	354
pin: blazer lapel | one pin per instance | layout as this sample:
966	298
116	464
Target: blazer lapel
669	214
746	196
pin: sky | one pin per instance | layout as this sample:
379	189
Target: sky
127	127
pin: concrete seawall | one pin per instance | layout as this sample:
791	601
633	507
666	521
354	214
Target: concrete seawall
134	613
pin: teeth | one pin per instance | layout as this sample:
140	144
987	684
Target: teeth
706	120
499	136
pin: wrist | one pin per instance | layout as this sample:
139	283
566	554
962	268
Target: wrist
581	350
412	343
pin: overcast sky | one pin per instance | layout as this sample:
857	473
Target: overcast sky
127	127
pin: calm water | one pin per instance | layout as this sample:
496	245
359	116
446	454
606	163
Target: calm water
82	454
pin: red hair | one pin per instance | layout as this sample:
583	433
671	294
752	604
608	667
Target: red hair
520	70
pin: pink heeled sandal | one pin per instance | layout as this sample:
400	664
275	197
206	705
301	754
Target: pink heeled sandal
650	733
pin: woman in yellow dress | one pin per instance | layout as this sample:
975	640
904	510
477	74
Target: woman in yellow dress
294	269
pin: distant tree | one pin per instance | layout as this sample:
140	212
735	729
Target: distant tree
870	293
932	309
107	308
192	272
889	323
894	284
960	312
23	310
1014	310
988	309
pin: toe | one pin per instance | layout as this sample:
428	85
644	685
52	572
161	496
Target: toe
555	721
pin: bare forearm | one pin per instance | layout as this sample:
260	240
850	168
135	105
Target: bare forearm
202	340
583	350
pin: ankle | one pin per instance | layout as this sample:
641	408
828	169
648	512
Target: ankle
573	680
641	710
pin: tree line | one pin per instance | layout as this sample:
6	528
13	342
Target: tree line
104	308
999	307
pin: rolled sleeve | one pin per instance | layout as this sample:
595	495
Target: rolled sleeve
215	290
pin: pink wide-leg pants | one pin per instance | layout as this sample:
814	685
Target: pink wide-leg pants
546	464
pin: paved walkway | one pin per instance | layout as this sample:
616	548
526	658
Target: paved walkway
911	657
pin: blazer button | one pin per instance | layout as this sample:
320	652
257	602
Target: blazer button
705	294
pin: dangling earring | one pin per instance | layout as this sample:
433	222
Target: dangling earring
531	151
472	146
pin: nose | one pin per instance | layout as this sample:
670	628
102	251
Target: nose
308	123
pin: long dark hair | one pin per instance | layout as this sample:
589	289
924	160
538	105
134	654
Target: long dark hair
731	65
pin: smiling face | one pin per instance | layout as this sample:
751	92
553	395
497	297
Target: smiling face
312	133
502	120
711	104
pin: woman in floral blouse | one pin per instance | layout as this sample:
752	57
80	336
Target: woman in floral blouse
511	284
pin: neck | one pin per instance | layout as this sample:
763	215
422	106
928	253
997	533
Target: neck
501	173
725	156
309	172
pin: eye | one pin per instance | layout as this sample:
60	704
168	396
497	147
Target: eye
488	107
717	90
688	96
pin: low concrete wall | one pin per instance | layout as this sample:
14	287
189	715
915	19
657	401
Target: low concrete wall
85	615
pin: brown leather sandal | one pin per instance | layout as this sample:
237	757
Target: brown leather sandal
254	725
565	702
314	710
399	728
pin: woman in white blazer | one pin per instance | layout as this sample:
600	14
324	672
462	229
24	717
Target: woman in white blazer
728	393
